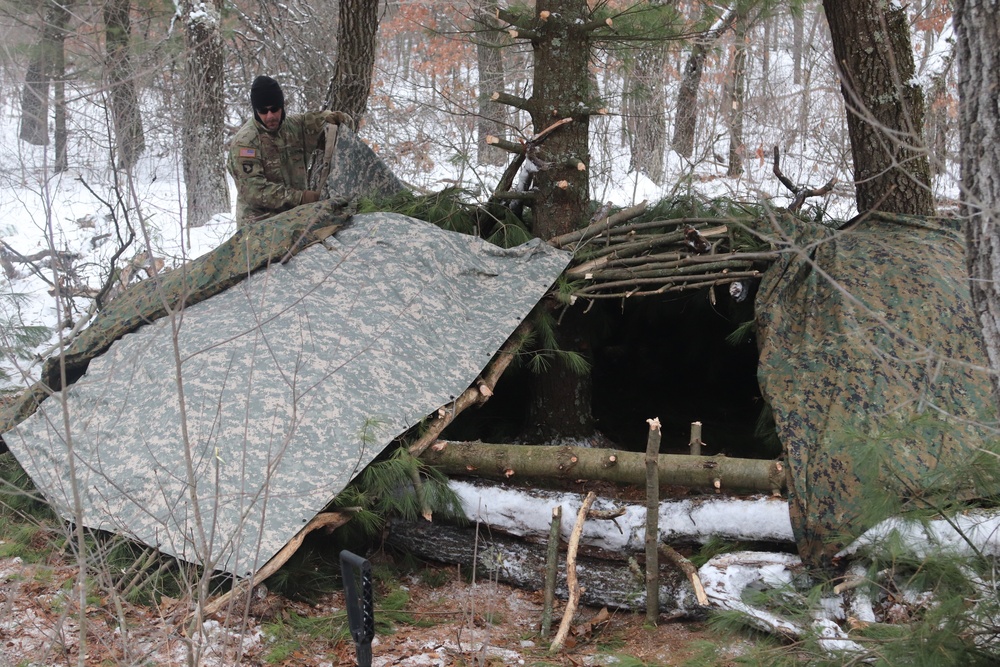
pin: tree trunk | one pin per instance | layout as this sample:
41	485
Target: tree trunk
562	89
46	57
685	123
871	45
977	26
58	49
605	582
552	463
798	28
352	76
124	100
492	115
689	520
736	100
643	103
204	114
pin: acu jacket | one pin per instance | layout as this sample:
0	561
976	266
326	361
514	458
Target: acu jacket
270	168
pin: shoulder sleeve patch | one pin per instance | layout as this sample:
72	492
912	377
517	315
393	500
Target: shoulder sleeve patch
248	152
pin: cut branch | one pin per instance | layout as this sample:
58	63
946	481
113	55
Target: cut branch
689	570
328	520
511	100
479	393
493	461
572	584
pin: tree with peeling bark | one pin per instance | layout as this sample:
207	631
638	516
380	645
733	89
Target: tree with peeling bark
203	124
874	57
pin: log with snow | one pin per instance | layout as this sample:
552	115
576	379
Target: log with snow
526	512
501	510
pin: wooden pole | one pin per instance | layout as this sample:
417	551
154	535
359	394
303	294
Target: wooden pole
524	462
652	521
551	570
571	581
696	442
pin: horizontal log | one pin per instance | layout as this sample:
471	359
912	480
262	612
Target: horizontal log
693	520
496	461
522	564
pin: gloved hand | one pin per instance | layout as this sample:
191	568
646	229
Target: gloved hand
338	118
309	196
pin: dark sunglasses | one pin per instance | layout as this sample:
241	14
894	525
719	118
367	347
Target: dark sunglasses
266	110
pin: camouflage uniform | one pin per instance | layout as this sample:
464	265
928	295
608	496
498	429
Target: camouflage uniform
270	167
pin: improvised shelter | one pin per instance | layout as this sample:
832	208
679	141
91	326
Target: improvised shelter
215	428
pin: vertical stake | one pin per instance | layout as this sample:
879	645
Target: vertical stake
696	442
653	522
551	569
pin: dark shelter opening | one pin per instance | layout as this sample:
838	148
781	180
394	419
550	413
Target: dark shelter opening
673	358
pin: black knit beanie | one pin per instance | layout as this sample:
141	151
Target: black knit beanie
265	92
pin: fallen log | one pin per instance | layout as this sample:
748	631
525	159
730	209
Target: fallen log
527	512
522	564
503	462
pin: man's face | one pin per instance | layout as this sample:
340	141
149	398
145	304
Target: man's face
270	117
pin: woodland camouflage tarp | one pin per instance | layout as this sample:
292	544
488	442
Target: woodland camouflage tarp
871	359
291	380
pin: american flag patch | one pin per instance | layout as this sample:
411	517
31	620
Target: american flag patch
248	152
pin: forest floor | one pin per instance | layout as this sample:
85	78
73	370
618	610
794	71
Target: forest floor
429	617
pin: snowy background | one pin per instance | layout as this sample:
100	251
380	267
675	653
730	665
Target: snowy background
419	125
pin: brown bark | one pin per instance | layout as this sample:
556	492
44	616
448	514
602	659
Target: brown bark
506	462
352	76
652	520
736	98
874	56
129	136
561	89
492	115
643	103
604	582
46	62
560	32
687	95
204	126
978	30
573	587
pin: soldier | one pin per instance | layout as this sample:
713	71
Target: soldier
268	155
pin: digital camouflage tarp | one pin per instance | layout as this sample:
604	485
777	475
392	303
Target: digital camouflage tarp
871	359
213	410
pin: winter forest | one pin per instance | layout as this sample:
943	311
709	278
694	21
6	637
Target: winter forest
779	289
125	105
